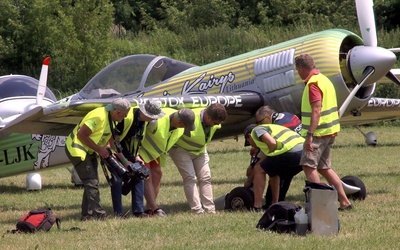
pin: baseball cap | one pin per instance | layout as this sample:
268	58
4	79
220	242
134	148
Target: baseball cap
151	109
247	131
187	117
120	104
276	116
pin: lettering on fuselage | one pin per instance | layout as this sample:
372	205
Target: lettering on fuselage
195	101
200	85
237	86
236	101
15	155
381	102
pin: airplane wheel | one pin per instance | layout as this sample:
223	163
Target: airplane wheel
355	181
240	198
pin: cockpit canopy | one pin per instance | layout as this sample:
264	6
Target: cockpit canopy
131	75
19	85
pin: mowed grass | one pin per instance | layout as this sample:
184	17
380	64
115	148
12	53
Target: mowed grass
373	224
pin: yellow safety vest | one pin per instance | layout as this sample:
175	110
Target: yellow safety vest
97	121
129	120
159	139
285	139
329	120
197	140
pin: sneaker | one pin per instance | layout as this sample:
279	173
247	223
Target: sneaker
198	212
257	209
141	215
159	212
102	216
149	212
87	217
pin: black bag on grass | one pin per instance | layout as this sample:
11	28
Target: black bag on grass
38	219
279	217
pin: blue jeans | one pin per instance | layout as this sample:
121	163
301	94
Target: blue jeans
137	193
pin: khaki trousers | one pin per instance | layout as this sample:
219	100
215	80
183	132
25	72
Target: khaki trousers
194	168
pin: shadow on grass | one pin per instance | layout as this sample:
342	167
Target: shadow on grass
239	182
15	189
363	145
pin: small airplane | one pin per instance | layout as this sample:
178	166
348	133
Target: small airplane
33	124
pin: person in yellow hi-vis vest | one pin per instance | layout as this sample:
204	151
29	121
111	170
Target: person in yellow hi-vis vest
130	133
89	139
281	148
320	119
160	135
191	158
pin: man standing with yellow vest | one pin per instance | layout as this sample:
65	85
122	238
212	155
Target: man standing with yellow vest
191	158
319	115
89	139
281	149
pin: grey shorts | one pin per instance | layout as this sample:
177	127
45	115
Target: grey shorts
321	156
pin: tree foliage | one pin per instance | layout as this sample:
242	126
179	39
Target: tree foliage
81	37
72	33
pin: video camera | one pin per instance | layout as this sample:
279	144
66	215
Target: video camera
136	169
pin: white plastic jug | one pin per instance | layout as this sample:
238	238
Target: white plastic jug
301	220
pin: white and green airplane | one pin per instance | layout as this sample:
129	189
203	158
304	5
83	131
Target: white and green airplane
33	124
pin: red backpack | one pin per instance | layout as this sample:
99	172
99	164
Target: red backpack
37	219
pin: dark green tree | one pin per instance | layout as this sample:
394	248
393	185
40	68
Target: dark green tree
75	34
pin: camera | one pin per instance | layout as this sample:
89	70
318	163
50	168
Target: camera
139	171
136	169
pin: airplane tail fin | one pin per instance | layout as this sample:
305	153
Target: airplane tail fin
42	81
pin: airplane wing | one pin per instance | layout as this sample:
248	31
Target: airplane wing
377	109
61	117
385	79
31	123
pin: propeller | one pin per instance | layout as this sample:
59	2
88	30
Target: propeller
366	21
367	73
42	81
367	63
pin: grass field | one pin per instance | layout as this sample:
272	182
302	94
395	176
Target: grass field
373	224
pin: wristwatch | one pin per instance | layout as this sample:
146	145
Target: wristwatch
309	133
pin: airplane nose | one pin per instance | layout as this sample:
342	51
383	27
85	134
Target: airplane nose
361	57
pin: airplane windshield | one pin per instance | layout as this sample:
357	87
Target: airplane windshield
18	85
131	74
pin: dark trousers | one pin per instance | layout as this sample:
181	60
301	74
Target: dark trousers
137	193
87	172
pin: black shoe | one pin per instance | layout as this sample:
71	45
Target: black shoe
265	207
349	207
87	217
141	215
102	216
257	209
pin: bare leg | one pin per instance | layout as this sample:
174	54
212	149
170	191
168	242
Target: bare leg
156	174
259	184
149	194
311	174
333	179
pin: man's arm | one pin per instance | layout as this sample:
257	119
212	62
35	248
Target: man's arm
315	115
84	136
270	141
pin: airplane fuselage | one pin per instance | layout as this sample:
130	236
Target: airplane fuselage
242	83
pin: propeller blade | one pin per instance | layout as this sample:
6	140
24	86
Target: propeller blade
393	77
395	50
42	81
366	20
367	73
